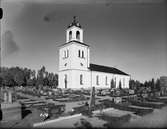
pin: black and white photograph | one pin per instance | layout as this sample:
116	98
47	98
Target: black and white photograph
83	64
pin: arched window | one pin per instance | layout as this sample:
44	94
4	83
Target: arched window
81	79
112	84
82	54
78	35
115	82
123	82
70	35
106	80
79	53
64	54
97	80
67	53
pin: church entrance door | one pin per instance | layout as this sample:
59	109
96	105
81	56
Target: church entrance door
65	81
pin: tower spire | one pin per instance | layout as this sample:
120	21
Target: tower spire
74	23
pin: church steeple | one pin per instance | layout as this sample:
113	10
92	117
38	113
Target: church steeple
74	32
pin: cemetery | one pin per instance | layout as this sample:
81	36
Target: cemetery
111	106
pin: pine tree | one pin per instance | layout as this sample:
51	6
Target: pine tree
112	84
120	85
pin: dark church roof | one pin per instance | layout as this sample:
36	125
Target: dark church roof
72	41
78	42
106	69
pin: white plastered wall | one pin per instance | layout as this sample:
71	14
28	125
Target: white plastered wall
102	79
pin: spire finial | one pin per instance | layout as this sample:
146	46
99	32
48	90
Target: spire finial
75	23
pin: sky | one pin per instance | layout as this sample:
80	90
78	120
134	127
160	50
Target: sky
130	35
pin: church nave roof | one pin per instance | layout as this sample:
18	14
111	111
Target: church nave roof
106	69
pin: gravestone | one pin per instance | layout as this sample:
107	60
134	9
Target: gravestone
92	99
11	111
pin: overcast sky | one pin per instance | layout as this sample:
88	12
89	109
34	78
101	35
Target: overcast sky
130	35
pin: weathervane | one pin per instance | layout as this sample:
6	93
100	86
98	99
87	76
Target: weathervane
74	19
75	23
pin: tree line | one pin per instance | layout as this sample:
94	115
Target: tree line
154	85
17	76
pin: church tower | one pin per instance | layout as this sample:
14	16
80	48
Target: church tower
73	58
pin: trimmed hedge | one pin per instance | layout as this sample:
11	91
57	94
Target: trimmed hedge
156	100
136	110
114	121
147	104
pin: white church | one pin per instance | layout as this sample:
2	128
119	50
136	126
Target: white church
75	69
